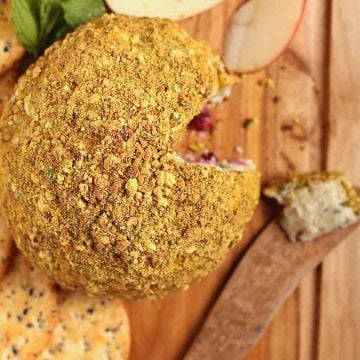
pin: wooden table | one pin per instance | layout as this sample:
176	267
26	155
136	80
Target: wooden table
310	120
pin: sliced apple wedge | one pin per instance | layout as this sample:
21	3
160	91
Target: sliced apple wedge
260	32
169	9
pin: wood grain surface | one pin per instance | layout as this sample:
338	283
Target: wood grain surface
310	120
254	293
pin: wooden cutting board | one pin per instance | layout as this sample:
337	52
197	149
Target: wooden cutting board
310	120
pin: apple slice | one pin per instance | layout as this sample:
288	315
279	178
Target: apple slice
260	32
169	9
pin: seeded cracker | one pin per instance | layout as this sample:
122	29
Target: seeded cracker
10	50
28	311
89	328
7	83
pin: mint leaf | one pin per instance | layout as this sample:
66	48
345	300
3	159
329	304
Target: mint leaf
51	18
26	23
79	11
51	12
39	23
62	28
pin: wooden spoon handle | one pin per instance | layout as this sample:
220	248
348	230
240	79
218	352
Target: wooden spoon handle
268	273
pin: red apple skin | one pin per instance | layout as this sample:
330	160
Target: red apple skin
297	27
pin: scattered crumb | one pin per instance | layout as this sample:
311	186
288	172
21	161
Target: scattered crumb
297	120
290	126
267	82
286	127
197	146
250	122
276	99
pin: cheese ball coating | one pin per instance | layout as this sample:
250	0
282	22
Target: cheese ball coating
96	195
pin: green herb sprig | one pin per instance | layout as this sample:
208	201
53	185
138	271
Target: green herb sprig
39	23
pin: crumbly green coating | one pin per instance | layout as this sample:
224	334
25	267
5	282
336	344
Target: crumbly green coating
96	195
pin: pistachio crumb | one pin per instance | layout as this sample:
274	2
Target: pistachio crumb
131	186
152	246
170	179
81	204
250	122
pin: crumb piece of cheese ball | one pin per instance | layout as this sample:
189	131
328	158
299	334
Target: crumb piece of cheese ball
315	204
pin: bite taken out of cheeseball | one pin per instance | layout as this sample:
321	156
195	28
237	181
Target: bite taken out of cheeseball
95	194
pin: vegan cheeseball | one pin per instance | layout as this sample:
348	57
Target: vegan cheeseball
95	194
